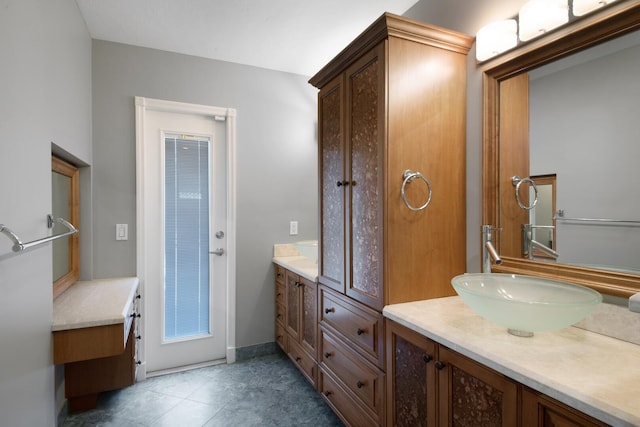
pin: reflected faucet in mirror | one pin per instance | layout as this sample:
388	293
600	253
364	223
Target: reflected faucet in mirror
489	252
529	243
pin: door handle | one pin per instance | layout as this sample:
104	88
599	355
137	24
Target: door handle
218	251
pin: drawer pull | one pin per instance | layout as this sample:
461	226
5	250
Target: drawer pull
139	363
138	296
134	315
361	331
328	354
329	310
361	384
427	358
139	337
298	359
327	393
440	365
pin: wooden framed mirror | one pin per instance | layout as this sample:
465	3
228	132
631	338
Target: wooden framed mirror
506	145
65	203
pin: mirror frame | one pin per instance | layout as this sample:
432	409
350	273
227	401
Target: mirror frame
611	21
63	283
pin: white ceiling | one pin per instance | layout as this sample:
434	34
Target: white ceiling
297	36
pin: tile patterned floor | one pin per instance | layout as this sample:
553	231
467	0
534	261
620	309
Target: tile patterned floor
266	392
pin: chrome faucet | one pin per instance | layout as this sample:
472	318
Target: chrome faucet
530	243
489	252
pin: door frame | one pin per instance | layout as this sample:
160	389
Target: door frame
142	105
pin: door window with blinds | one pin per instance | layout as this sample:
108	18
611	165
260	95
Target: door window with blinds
186	240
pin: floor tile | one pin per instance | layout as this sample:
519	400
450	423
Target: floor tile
266	391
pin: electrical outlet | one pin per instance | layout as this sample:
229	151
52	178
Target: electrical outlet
293	228
122	231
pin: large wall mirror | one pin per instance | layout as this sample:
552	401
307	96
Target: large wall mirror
562	110
65	203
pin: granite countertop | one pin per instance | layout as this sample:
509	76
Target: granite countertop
94	303
593	373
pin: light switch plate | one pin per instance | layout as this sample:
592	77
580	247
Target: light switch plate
122	231
293	228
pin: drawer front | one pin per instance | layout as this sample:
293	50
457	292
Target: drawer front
343	403
363	379
280	314
359	324
281	337
279	274
304	362
280	289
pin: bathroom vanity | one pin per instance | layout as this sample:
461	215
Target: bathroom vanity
441	354
95	335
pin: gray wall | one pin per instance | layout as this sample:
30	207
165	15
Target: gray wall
45	88
276	161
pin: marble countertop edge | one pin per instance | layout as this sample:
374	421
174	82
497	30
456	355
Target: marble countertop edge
300	265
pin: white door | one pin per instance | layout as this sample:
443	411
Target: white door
183	230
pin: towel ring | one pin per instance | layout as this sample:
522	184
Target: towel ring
409	176
517	181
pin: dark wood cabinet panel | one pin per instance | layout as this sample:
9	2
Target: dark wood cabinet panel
411	381
539	410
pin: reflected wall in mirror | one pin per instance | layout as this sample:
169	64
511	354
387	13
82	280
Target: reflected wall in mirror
550	113
65	202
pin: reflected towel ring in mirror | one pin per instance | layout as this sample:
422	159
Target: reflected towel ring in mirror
517	181
409	176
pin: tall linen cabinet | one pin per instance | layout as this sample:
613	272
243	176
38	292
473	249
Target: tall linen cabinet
391	136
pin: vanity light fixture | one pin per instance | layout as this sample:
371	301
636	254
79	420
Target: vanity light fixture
495	38
537	17
582	7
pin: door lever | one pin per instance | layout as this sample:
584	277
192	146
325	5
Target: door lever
218	251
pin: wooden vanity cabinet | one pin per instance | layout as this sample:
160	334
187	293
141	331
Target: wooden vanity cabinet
539	410
393	100
99	358
297	321
431	385
281	335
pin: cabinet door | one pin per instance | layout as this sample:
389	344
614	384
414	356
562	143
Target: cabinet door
292	309
309	316
411	386
471	394
331	182
539	410
365	127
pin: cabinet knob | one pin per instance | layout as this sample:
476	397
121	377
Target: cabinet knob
134	315
427	358
139	362
327	393
361	331
139	337
360	384
329	310
138	296
327	355
298	359
440	365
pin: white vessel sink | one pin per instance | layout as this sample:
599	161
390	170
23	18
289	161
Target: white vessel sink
525	304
